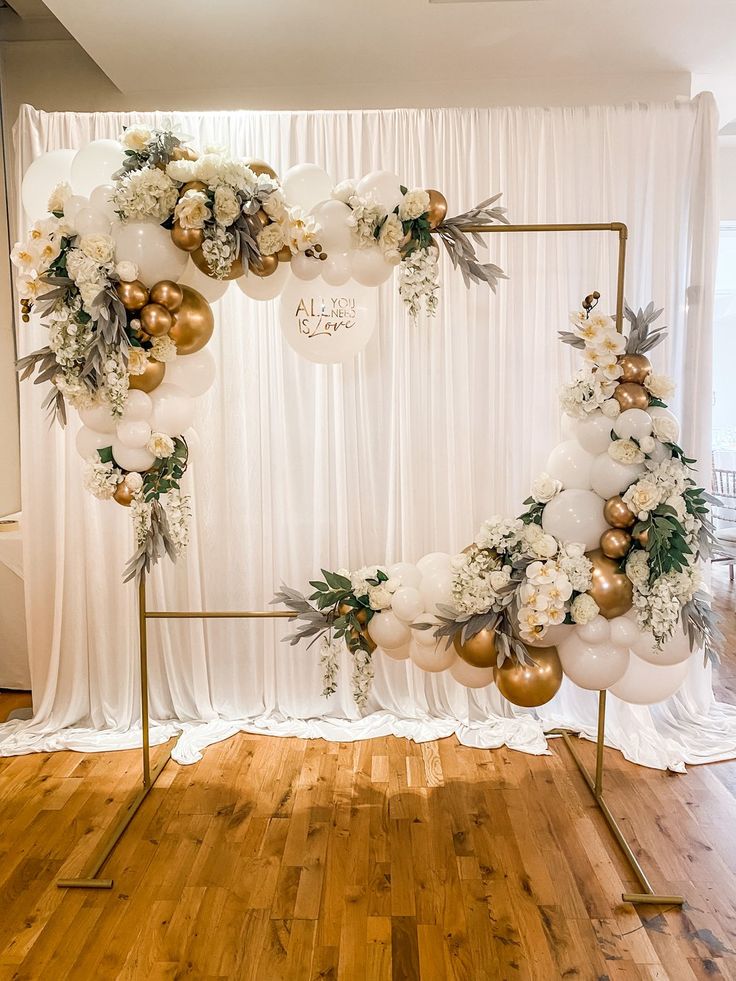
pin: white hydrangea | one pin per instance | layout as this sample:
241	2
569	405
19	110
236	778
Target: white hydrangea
143	194
366	214
390	237
100	479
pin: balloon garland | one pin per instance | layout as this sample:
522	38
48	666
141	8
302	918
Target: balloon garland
596	580
132	241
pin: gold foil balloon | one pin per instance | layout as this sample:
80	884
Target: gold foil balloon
634	368
615	543
611	587
284	254
631	396
156	320
123	494
191	186
480	650
352	637
262	218
151	377
261	167
187	239
617	513
168	294
266	267
642	537
184	153
437	211
200	262
530	685
193	324
133	295
361	613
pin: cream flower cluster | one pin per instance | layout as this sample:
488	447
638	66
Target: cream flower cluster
589	391
100	479
543	598
178	508
665	481
219	250
379	597
160	445
479	580
603	343
544	488
144	194
419	281
33	257
658	605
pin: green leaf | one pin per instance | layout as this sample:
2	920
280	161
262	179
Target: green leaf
105	454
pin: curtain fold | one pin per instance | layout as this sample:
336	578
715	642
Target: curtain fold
402	451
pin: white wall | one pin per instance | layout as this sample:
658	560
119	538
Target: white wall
727	182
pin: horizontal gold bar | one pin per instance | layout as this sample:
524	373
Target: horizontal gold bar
652	899
84	883
611	226
217	614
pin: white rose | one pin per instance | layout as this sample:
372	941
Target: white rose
642	497
500	578
101	248
160	445
59	197
625	451
137	361
413	204
270	239
379	597
389	238
584	609
545	488
660	386
136	138
192	210
227	206
344	191
665	429
126	271
545	546
610	409
134	481
275	205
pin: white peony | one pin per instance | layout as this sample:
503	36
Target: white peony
379	597
270	239
101	248
160	445
275	205
664	428
134	481
625	451
660	386
611	409
545	488
126	271
227	205
643	497
389	238
192	210
209	167
136	138
59	197
584	609
545	546
182	171
89	291
413	205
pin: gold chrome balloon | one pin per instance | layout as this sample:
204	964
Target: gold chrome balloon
642	537
236	270
530	685
155	320
168	294
191	186
284	254
631	396
617	513
480	650
361	613
123	494
437	211
261	167
634	368
184	153
151	377
611	588
133	295
352	638
193	324
266	267
615	543
186	239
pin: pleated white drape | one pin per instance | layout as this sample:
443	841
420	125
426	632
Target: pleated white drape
402	451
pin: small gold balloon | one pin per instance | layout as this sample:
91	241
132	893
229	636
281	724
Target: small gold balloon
352	639
284	254
192	186
617	513
266	267
168	294
263	218
123	494
642	537
261	167
611	588
361	614
236	270
184	153
615	543
530	685
186	239
156	320
193	324
437	211
133	295
151	377
634	368
480	650
631	396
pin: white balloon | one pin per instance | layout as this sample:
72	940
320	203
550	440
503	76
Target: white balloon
657	412
265	287
399	653
41	178
134	433
674	651
73	206
95	164
369	267
335	234
570	463
633	422
593	666
211	289
575	516
465	674
138	405
101	199
406	573
434	560
99	418
336	269
407	603
88	442
608	477
305	267
436	588
90	221
387	631
624	631
150	247
173	410
595	632
194	373
383	186
568	426
130	458
327	324
433	659
660	453
552	635
646	684
594	432
306	185
425	638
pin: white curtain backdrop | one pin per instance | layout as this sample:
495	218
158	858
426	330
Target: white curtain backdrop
400	452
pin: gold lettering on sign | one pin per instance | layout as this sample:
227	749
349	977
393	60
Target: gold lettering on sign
324	317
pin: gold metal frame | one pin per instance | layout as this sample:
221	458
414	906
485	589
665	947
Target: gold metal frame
91	879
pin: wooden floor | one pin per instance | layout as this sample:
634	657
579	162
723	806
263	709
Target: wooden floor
287	859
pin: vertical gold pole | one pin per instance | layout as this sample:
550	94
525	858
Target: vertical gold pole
143	637
600	742
622	236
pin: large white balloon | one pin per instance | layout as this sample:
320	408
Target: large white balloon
595	632
95	164
660	453
72	207
575	516
425	638
387	631
90	221
406	573
138	405
646	684
335	234
608	477
265	287
594	432
305	267
633	422
195	373
41	178
465	674
433	658
150	247
432	561
132	458
593	666
134	433
211	289
570	463
674	651
383	186
88	442
552	636
306	185
436	588
407	603
173	410
336	269
369	267
624	631
99	418
657	412
101	200
398	653
327	324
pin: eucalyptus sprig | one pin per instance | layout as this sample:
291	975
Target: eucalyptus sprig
456	238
